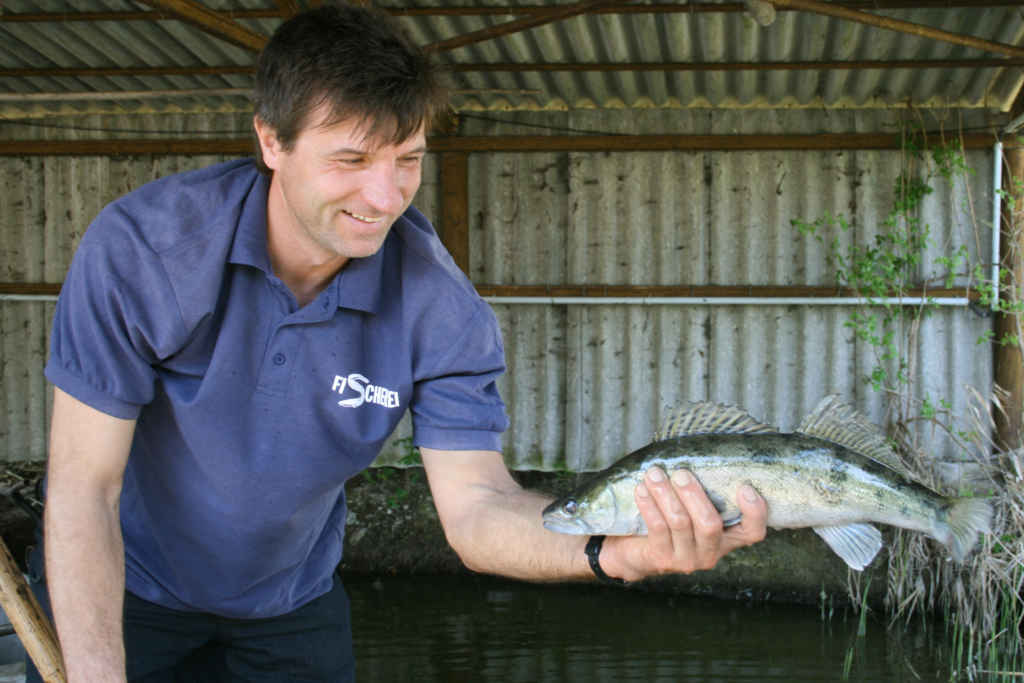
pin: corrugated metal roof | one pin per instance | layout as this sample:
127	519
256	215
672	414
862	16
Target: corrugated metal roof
637	55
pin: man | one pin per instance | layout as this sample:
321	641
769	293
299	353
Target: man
231	346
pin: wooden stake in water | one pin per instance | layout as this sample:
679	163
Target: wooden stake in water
29	621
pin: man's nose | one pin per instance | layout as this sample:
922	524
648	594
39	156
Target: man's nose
383	189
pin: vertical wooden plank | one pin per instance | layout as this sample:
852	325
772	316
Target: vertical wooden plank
1009	365
454	223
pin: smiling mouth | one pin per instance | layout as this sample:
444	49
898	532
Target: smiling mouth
361	218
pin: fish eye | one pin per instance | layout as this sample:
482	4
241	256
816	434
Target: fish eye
570	507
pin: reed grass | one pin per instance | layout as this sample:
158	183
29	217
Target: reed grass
981	601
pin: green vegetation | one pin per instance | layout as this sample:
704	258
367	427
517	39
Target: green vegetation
981	602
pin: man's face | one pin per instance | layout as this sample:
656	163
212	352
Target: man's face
335	194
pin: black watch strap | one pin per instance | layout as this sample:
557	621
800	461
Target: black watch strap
593	552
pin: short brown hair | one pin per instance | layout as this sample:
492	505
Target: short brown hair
356	60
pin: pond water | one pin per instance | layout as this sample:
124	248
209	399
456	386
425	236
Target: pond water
480	629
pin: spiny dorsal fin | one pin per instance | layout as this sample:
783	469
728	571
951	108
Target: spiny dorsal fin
710	418
838	422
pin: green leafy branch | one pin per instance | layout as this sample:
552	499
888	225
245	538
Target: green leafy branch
883	270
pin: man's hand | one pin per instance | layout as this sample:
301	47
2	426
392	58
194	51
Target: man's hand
685	531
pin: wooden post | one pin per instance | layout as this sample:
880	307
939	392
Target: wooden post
1009	364
454	219
30	623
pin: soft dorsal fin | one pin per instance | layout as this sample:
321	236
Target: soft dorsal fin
710	418
838	422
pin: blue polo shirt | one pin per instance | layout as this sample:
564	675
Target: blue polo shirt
252	412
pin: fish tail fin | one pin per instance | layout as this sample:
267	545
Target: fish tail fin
966	518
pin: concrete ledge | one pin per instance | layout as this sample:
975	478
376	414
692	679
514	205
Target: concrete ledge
393	529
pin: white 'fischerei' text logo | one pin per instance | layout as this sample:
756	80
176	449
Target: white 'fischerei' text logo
365	392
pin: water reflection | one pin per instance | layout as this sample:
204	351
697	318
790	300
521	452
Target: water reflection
482	629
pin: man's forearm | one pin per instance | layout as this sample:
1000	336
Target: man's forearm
494	524
85	577
507	538
83	545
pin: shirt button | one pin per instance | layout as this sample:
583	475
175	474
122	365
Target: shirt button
279	359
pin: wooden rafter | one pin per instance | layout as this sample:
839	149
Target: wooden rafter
497	143
518	25
86	72
741	66
287	8
507	10
833	10
547	67
214	23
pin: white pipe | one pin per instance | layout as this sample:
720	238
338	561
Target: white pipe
725	300
997	210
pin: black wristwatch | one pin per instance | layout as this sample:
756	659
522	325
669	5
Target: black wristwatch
593	551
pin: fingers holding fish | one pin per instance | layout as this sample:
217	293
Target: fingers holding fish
666	517
685	532
752	525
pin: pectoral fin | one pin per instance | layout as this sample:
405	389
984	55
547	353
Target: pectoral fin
731	521
857	544
731	514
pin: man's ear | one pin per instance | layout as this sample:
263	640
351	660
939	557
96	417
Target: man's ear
270	145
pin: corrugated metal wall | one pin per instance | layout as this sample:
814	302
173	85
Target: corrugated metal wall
588	383
46	203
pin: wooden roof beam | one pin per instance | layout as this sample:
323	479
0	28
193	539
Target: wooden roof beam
525	144
86	72
287	8
506	10
214	23
899	25
226	70
989	62
519	25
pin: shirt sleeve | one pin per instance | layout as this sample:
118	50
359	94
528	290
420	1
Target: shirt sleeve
115	318
456	405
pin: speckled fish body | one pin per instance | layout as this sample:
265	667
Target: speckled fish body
806	480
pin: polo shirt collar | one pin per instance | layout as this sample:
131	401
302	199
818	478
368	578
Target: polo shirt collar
249	247
357	286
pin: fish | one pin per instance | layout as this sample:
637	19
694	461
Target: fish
836	473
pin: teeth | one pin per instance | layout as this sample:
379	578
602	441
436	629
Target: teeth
365	219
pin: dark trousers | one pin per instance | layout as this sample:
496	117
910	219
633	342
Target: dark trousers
313	643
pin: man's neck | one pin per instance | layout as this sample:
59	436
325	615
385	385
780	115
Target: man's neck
305	274
305	277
